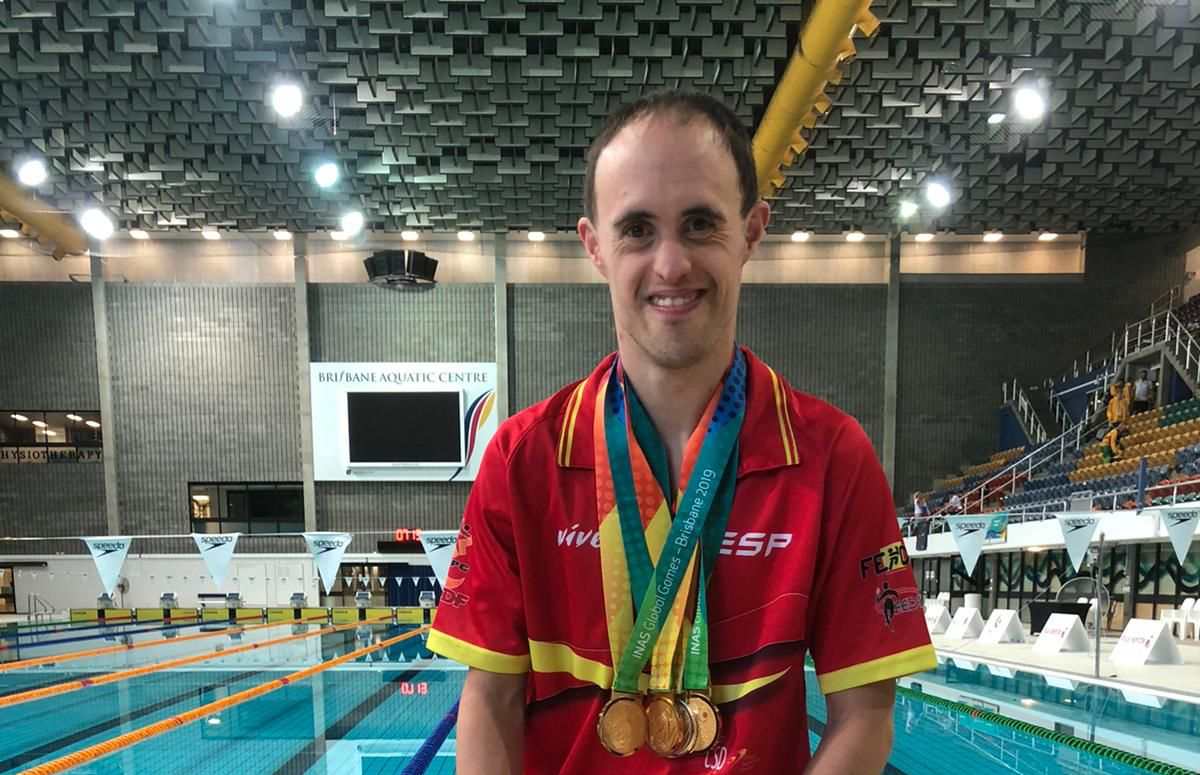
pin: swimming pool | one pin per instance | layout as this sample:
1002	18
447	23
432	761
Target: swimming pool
370	715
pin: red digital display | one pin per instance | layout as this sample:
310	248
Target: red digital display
409	688
408	534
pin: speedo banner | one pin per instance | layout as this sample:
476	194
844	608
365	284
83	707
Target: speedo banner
439	548
327	550
109	555
969	532
1180	525
217	551
1078	529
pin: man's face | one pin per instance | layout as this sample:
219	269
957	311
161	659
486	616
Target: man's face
669	238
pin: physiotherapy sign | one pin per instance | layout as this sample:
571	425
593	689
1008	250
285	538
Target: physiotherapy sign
39	455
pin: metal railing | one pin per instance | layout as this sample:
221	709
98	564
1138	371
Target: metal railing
1051	508
37	609
1169	299
1162	329
1024	408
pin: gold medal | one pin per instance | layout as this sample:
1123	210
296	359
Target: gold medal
705	718
622	724
670	730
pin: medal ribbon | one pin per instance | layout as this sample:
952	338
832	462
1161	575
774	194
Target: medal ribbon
645	555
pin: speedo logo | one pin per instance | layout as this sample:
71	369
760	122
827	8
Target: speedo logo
734	544
1078	524
107	548
213	543
967	528
326	546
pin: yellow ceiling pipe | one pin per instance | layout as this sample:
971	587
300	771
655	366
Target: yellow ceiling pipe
56	233
799	97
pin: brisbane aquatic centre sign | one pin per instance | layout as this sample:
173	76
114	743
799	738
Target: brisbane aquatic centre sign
51	454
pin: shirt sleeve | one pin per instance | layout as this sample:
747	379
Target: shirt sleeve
480	620
866	621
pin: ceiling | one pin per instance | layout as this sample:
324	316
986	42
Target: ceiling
476	115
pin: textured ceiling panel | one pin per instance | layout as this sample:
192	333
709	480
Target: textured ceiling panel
454	115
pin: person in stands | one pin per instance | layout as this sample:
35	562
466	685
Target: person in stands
1118	408
955	504
1142	390
1110	447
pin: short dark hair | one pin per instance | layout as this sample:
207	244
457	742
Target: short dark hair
685	106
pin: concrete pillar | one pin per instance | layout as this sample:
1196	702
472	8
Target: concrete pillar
500	292
891	362
303	359
104	379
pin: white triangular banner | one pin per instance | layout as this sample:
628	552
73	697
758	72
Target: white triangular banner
1078	529
440	549
1002	626
109	555
217	551
327	550
969	533
1180	525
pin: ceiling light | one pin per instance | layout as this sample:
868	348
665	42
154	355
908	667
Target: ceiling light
1047	236
537	236
41	423
326	175
209	233
466	236
338	236
1029	104
409	236
937	194
283	235
287	99
19	417
91	424
997	118
855	236
801	236
924	237
139	234
32	173
9	233
908	209
993	236
201	499
96	223
352	223
74	417
1035	549
49	433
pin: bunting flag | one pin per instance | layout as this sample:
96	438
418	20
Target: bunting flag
969	533
109	555
440	548
1180	524
1078	529
327	550
217	551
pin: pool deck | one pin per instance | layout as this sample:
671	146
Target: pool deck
1145	685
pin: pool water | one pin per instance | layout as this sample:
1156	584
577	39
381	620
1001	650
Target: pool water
370	716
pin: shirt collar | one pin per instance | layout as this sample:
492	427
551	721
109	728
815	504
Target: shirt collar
767	439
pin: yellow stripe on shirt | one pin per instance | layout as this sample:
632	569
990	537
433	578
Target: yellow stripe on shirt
566	438
476	656
914	660
785	423
559	658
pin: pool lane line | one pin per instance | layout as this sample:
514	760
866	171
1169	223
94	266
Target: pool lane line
97	635
1033	730
135	672
74	655
100	727
149	731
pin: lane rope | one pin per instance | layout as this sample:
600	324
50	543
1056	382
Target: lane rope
135	672
121	742
428	750
75	655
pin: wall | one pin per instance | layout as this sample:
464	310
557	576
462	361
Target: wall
363	323
204	389
48	362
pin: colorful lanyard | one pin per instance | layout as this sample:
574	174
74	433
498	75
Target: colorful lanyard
645	554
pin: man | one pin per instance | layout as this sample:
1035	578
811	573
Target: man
1141	393
768	524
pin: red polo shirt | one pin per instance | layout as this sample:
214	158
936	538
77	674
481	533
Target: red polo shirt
812	562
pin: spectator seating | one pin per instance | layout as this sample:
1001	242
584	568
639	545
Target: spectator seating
1189	313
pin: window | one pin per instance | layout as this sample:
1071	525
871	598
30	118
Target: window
46	436
246	507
